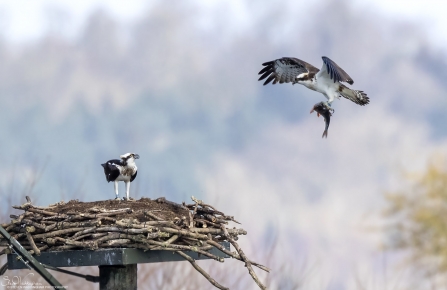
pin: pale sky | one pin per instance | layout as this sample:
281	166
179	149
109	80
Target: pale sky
25	20
429	13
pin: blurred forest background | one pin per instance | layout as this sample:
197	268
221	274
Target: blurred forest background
178	85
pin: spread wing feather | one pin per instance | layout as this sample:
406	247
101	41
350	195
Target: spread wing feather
336	73
284	70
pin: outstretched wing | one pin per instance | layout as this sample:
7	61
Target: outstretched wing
285	70
331	70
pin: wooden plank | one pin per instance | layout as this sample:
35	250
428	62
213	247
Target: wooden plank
118	277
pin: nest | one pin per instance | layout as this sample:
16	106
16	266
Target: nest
143	224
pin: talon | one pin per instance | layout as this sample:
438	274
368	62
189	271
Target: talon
328	107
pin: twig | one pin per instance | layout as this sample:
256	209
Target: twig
33	245
236	256
57	233
171	240
201	271
189	248
62	225
41	211
117	242
200	202
164	200
152	215
218	231
247	263
149	224
93	236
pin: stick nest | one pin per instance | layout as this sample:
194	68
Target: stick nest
144	224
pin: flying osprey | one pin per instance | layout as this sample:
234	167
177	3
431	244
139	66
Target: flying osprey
326	81
121	170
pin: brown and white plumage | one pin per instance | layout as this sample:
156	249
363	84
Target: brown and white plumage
123	169
327	81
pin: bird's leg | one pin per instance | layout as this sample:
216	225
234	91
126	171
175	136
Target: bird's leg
328	106
127	190
116	189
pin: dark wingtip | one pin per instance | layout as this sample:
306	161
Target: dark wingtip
267	63
324	134
269	79
266	74
264	70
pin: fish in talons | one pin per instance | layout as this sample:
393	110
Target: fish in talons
323	110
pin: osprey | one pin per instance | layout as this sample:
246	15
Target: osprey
327	81
121	170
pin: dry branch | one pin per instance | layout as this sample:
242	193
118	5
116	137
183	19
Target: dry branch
201	271
234	255
33	245
164	200
247	263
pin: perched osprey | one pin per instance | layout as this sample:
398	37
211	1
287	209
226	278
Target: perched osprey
121	170
326	81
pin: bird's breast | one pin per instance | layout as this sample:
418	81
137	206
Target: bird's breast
128	171
125	178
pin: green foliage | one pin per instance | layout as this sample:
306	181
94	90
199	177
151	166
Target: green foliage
418	219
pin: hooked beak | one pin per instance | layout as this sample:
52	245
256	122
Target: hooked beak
136	156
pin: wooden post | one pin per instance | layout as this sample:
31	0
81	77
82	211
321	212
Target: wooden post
118	277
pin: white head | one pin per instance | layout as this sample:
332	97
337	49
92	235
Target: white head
129	158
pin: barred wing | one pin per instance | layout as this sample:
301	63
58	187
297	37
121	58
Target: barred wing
331	70
285	70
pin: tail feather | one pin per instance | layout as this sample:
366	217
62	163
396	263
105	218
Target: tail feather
358	97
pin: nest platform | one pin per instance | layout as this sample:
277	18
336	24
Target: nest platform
116	233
